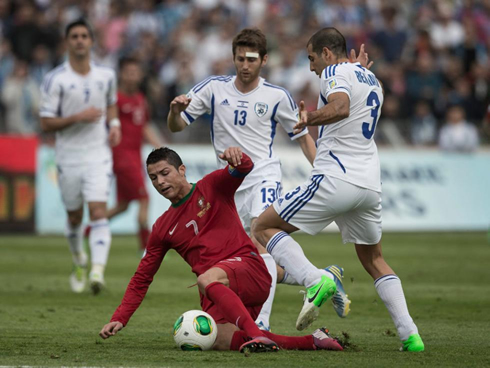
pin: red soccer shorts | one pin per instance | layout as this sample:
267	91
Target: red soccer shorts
130	184
249	279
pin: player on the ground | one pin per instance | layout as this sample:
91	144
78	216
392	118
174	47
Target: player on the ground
128	165
245	110
78	99
203	226
344	187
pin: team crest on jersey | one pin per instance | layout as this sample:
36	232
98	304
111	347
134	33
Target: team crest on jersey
260	109
332	84
201	202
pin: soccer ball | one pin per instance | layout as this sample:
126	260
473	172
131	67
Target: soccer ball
195	330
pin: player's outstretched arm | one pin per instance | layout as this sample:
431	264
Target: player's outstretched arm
363	58
338	108
110	329
175	122
90	115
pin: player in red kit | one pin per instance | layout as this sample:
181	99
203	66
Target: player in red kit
203	226
128	168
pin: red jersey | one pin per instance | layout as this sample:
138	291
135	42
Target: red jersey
204	228
133	113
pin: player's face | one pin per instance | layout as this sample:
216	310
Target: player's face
247	67
317	62
167	180
131	75
79	41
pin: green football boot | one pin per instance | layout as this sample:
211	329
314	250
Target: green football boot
315	296
413	343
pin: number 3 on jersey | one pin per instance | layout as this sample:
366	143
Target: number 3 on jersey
240	117
368	131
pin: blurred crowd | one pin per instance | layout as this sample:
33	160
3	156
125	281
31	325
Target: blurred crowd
432	56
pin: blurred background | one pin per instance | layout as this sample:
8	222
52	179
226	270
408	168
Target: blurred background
432	57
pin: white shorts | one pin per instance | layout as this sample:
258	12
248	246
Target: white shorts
322	199
87	182
251	202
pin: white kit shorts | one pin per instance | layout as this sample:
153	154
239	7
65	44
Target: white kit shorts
251	202
86	182
322	199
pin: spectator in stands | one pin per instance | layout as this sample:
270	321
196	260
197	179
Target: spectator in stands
424	125
457	135
21	96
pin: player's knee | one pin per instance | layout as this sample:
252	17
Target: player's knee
98	213
75	219
204	280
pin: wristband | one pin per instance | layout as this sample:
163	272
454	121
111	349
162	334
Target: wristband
115	123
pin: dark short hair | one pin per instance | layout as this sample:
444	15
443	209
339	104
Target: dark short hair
331	38
128	60
77	23
253	38
164	154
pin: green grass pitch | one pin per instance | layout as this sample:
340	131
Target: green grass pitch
446	278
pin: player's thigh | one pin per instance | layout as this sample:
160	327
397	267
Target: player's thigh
70	180
248	278
313	205
363	224
97	178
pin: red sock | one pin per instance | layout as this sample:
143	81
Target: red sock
284	342
144	235
232	308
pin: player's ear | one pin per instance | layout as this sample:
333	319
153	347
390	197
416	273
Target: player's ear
264	60
182	170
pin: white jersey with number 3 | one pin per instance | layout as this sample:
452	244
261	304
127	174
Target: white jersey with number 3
245	120
64	93
346	149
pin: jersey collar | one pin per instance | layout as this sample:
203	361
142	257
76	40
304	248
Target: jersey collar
179	203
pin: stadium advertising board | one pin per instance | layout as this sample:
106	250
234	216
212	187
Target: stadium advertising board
422	190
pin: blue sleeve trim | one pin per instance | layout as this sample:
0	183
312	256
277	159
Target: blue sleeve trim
188	116
273	127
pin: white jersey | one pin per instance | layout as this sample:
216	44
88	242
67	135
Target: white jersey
65	93
346	149
245	120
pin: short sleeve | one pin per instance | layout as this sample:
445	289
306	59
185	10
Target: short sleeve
286	113
51	91
201	96
335	80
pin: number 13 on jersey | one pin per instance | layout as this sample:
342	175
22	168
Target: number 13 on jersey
368	128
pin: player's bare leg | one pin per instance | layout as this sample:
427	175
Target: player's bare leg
225	335
214	284
273	232
144	233
390	290
119	208
100	244
78	277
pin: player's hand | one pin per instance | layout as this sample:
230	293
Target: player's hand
303	118
179	104
110	329
233	155
363	57
114	136
90	115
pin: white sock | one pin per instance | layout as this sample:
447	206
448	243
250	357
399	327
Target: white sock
265	312
289	280
389	288
75	240
288	254
100	241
